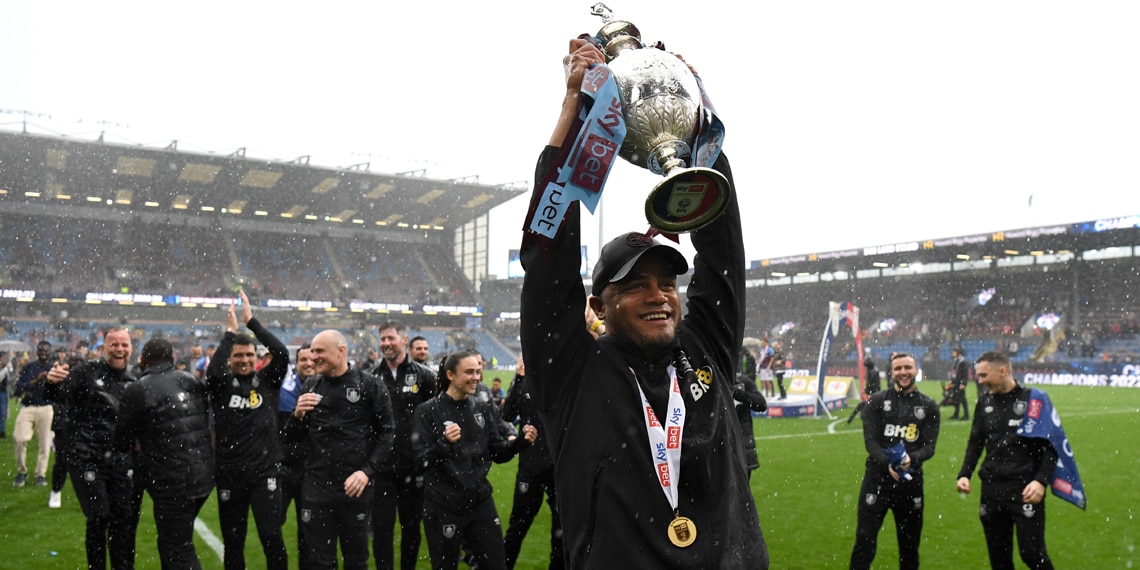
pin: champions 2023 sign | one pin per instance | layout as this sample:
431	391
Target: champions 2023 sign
1108	374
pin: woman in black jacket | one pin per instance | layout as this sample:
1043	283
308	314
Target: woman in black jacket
456	439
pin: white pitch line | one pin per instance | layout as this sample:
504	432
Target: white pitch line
831	426
211	539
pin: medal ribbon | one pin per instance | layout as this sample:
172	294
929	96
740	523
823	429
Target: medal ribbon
595	148
665	439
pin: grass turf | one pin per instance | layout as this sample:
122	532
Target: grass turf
806	491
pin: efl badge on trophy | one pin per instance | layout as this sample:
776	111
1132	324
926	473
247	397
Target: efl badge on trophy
671	128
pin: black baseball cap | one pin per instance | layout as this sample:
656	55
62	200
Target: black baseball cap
621	254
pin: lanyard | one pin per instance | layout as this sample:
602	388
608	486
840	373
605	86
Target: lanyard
665	439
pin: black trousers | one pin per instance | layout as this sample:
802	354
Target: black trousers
62	452
780	383
112	511
529	490
291	482
1002	511
262	495
878	495
401	491
960	400
478	528
326	523
174	521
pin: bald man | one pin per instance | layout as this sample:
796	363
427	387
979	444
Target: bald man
345	416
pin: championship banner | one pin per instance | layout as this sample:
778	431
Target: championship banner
839	314
1042	421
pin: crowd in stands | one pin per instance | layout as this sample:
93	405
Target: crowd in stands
928	315
74	256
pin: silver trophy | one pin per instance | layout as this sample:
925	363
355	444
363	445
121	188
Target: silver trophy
661	101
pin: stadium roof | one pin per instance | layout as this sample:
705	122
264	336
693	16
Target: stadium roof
1061	241
58	170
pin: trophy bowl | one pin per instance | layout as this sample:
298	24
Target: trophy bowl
661	103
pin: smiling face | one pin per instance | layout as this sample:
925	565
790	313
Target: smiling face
117	348
644	306
305	365
392	343
43	351
420	350
903	371
994	376
243	359
464	379
330	353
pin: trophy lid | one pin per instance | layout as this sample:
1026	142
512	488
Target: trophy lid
615	36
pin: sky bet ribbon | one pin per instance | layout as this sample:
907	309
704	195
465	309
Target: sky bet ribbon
1041	420
584	173
710	131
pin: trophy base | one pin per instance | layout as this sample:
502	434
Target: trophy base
687	200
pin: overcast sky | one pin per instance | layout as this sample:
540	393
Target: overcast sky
848	123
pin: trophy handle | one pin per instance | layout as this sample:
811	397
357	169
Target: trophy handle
687	200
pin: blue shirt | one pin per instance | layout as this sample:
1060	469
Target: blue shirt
33	394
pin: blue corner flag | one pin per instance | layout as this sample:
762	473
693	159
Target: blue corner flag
1041	420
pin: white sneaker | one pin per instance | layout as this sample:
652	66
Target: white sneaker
55	501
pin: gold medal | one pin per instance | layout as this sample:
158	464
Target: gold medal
682	532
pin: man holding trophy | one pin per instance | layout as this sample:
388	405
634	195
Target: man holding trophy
649	460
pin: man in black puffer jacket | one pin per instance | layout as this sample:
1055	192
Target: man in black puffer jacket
167	414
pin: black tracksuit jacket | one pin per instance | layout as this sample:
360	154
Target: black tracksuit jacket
455	475
412	385
614	513
92	392
245	410
350	430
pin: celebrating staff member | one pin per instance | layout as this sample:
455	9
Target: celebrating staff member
399	486
649	461
457	439
34	417
900	414
1016	470
100	476
347	415
167	413
534	478
248	449
293	453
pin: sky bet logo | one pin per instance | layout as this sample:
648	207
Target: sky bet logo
253	402
594	160
907	432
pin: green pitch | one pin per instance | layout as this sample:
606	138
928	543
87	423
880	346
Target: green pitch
806	491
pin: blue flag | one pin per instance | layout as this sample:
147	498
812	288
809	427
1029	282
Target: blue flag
896	455
1041	420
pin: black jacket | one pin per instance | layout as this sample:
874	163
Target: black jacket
535	458
245	410
412	385
961	375
455	474
748	399
350	430
871	381
167	412
92	393
1011	461
890	417
613	511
